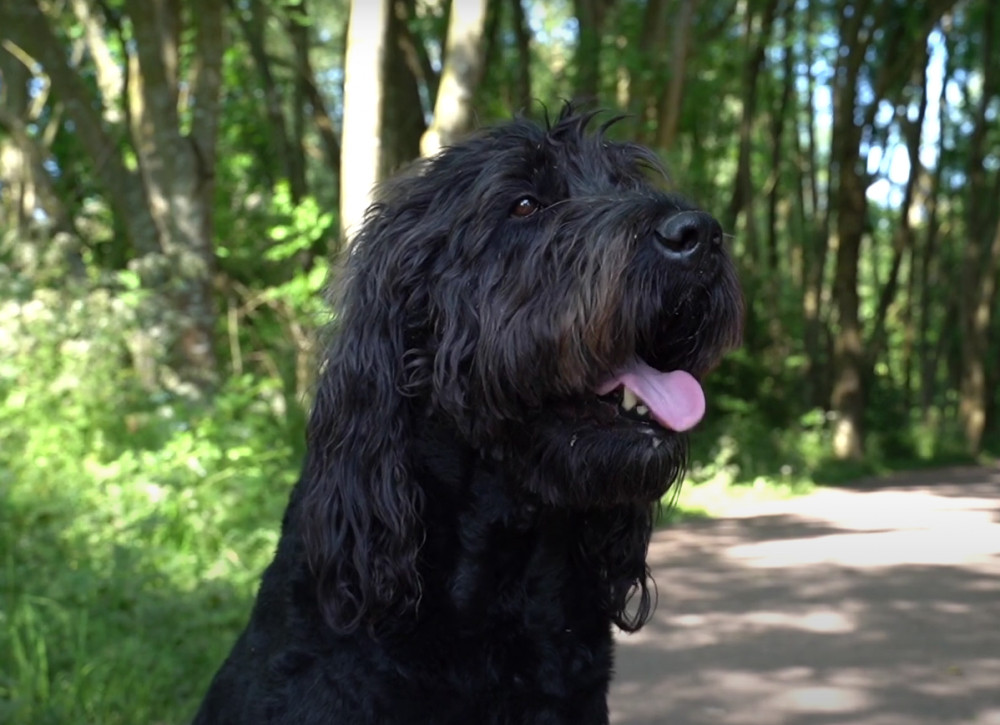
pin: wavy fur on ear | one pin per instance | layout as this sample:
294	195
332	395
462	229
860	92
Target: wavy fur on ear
360	508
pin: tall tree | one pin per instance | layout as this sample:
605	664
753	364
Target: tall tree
284	147
682	25
383	121
168	124
757	33
981	256
460	75
364	98
522	34
591	18
899	44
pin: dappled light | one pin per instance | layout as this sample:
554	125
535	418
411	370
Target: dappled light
872	606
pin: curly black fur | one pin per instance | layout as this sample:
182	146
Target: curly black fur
472	517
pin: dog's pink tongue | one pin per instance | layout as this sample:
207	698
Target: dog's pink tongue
675	398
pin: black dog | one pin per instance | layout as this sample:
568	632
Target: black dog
521	328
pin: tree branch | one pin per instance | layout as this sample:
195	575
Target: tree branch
108	72
299	33
26	25
206	81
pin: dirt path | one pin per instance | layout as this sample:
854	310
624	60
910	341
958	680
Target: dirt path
875	605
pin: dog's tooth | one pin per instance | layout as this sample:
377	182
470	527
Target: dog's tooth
628	399
642	410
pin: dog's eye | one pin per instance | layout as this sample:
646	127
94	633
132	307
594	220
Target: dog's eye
525	207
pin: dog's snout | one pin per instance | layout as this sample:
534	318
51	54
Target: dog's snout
688	233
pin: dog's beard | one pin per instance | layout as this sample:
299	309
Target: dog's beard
621	436
599	465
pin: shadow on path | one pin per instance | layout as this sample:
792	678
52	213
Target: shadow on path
877	604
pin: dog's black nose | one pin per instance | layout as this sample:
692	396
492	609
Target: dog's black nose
688	233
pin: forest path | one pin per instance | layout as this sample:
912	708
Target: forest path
874	604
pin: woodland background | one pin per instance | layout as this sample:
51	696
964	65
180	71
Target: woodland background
175	175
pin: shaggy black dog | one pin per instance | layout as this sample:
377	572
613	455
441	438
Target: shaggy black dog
520	332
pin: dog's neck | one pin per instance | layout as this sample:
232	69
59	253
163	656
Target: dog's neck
509	539
451	470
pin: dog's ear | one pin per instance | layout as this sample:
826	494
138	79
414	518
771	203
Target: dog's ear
617	539
358	505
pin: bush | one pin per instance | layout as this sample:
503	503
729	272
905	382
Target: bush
133	525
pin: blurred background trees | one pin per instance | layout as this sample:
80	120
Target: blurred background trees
176	175
850	147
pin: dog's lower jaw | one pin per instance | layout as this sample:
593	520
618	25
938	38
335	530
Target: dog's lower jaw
588	465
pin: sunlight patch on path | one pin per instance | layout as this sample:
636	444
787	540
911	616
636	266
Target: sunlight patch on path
861	607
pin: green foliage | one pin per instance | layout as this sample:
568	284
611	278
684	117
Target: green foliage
754	436
298	229
133	527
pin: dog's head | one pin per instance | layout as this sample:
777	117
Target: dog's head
536	290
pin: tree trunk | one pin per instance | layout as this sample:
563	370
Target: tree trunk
913	203
645	79
307	89
383	121
928	275
981	263
847	398
108	72
402	122
900	49
281	146
25	186
785	106
27	26
460	76
756	39
364	75
522	36
816	226
977	311
24	178
165	209
669	112
178	169
590	15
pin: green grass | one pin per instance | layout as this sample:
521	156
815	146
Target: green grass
133	527
123	585
717	498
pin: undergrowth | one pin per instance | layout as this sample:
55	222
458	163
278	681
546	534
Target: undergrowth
133	525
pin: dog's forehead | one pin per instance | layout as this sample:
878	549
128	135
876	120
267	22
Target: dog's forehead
568	150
